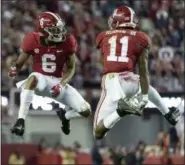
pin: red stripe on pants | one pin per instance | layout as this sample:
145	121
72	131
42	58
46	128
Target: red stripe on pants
100	102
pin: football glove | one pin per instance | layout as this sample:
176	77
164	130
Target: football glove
55	90
12	72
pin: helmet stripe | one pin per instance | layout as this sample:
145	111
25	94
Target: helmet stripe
54	15
131	13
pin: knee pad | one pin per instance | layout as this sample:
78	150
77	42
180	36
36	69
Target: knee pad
85	106
85	109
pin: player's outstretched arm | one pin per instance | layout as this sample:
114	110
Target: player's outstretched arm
17	65
143	71
23	57
144	77
70	64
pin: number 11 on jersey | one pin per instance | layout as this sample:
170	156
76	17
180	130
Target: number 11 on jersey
124	48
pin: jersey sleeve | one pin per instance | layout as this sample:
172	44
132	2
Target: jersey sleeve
72	44
145	41
99	39
27	43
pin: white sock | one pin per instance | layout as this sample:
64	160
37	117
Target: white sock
156	99
72	114
110	120
26	100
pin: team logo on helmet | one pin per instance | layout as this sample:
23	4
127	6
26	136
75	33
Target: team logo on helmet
36	50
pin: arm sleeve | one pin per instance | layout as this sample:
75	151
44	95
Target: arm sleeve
27	43
72	44
99	40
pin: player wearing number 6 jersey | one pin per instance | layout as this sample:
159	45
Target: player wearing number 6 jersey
51	48
122	47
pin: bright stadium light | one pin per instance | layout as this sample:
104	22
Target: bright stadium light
4	101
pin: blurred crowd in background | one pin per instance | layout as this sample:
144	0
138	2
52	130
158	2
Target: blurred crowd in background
161	19
139	154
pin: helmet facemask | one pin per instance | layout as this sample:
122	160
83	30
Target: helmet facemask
110	21
57	33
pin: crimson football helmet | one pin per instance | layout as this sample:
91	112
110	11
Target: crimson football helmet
123	17
50	25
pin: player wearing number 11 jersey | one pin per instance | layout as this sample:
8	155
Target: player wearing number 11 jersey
122	47
51	48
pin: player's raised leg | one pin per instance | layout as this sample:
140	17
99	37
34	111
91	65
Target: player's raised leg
26	98
172	116
104	109
111	109
107	116
69	96
74	100
76	107
26	94
36	82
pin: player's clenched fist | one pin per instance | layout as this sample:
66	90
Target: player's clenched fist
12	72
55	90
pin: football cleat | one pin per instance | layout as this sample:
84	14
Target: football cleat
65	122
128	106
173	116
18	128
100	131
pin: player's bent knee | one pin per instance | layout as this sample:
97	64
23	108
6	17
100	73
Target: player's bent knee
85	113
85	110
31	82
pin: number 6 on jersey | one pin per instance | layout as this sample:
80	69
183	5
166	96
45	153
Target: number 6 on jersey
48	67
124	48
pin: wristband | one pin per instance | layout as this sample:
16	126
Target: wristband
145	97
